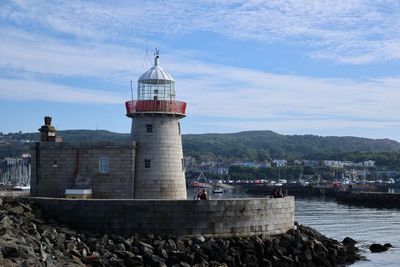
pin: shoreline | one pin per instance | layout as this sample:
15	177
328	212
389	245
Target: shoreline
28	238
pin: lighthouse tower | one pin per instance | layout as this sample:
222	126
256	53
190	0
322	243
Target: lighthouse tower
159	170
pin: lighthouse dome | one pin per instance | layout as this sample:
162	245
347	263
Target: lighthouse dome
156	84
155	73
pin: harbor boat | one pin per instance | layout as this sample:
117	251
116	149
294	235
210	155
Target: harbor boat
218	191
200	182
22	188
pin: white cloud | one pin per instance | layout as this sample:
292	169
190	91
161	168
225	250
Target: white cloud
25	90
210	89
346	31
99	41
40	54
266	95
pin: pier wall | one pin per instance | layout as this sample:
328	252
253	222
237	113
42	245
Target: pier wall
373	199
225	217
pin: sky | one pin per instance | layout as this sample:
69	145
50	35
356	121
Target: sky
290	66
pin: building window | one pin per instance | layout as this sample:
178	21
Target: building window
149	128
179	127
104	165
147	163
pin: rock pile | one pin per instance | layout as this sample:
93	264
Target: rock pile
29	240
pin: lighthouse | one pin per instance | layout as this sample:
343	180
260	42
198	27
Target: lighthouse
159	168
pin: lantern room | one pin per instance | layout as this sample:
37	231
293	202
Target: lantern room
156	84
155	93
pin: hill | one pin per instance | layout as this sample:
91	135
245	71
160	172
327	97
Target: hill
250	145
77	135
261	145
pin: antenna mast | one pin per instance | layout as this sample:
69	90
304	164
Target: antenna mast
131	91
146	58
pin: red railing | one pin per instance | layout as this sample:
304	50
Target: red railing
138	106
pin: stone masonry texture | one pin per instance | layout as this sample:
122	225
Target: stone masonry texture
65	165
165	178
224	217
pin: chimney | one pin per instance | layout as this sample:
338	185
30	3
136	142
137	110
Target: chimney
48	132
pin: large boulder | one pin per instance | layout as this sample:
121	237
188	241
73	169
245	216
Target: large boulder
348	241
376	248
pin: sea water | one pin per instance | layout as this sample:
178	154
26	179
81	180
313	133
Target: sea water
365	225
335	220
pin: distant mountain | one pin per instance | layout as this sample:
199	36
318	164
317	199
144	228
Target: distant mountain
78	135
261	145
14	144
250	145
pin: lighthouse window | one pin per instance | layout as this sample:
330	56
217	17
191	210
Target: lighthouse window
164	90
147	163
179	127
149	128
104	165
183	164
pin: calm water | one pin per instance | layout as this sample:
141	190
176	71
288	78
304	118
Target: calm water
366	225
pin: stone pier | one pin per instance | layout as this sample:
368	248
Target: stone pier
222	218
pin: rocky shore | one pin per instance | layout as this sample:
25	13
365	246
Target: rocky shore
27	239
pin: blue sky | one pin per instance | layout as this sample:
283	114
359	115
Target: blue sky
294	67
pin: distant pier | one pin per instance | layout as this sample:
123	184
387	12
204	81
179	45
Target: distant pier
371	199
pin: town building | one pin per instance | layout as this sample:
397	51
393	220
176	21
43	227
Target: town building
279	162
362	174
347	163
310	163
265	164
369	163
189	162
332	163
250	164
11	161
220	170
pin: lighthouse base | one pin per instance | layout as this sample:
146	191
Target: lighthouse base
159	170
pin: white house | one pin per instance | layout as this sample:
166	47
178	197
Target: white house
369	163
279	162
333	163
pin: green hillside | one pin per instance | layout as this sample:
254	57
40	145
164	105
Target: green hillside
261	145
78	135
251	145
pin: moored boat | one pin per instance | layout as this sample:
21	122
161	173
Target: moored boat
218	191
22	187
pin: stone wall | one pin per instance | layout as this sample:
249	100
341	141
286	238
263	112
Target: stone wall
58	166
223	217
165	178
373	199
